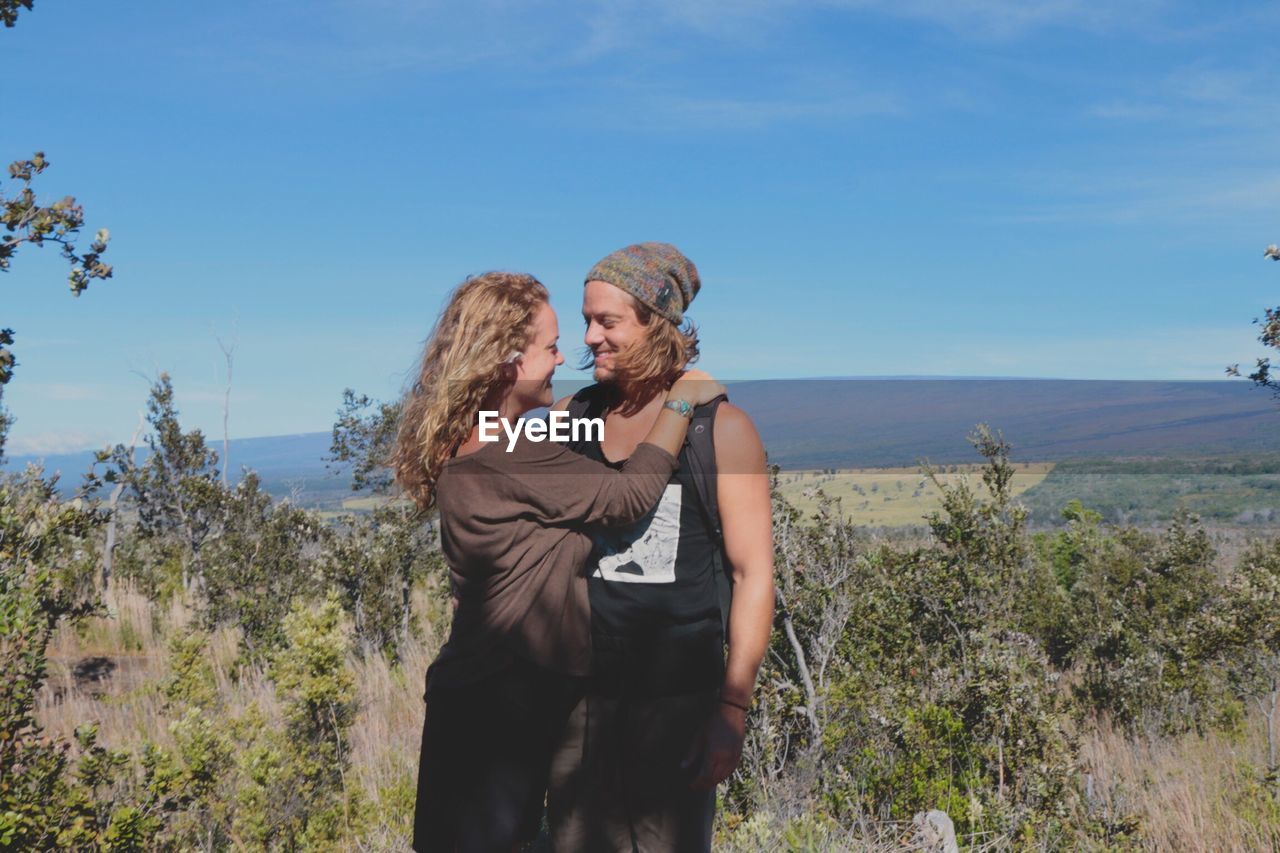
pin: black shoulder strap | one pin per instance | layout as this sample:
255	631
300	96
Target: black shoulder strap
701	457
702	461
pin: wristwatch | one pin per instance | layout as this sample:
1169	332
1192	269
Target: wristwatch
680	407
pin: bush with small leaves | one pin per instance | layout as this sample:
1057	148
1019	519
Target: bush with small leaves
1139	631
175	492
46	546
363	436
374	561
262	562
295	792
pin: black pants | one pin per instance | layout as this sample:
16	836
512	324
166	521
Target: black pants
617	781
486	749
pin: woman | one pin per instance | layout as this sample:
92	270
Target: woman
513	529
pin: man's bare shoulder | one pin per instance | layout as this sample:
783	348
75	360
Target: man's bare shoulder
733	424
738	444
562	405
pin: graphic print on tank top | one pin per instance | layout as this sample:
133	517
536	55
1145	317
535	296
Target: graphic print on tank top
645	553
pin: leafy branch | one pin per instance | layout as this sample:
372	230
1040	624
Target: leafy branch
27	221
1263	375
9	10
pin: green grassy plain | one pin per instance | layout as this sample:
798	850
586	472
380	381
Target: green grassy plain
1232	490
891	497
878	497
1224	490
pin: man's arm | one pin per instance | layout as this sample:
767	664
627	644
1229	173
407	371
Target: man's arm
746	516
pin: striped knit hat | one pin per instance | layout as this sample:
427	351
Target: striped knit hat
654	273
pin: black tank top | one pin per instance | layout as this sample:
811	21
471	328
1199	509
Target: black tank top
655	611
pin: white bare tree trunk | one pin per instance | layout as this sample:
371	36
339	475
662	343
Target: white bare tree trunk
228	352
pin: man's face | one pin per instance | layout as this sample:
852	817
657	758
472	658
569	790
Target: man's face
538	362
612	326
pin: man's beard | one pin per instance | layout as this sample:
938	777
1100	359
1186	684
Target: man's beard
626	394
611	374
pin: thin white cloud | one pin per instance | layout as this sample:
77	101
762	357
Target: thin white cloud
198	396
1123	110
617	25
1010	18
1167	198
67	392
373	37
750	20
1222	99
749	113
55	442
1188	353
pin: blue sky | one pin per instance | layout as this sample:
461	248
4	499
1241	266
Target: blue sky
1044	188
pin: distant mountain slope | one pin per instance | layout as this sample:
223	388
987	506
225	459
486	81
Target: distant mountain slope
842	423
287	464
852	422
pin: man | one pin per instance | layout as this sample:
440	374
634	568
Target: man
664	718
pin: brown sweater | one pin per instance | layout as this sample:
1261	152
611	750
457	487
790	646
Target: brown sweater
513	529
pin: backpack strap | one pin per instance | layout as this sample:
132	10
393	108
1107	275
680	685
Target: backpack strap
701	458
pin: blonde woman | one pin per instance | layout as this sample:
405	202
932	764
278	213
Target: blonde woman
514	531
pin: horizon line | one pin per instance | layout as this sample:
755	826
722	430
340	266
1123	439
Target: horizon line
11	460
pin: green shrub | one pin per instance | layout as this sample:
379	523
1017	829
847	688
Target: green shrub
260	566
373	561
293	791
45	546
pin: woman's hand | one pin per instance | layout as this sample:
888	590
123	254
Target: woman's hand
692	389
695	387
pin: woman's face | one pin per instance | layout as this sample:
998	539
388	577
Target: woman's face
538	363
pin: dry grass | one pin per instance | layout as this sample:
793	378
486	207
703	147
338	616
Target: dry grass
1188	793
387	734
109	670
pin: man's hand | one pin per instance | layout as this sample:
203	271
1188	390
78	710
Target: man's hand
717	748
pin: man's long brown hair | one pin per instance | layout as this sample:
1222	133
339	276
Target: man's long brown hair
488	318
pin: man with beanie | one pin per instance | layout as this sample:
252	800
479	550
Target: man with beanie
663	721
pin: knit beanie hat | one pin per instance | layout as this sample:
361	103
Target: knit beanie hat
654	273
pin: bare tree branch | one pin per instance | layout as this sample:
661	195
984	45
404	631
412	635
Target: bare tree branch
228	352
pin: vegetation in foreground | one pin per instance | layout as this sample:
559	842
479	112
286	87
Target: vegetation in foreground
192	666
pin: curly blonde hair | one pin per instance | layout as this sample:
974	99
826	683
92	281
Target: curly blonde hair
488	318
